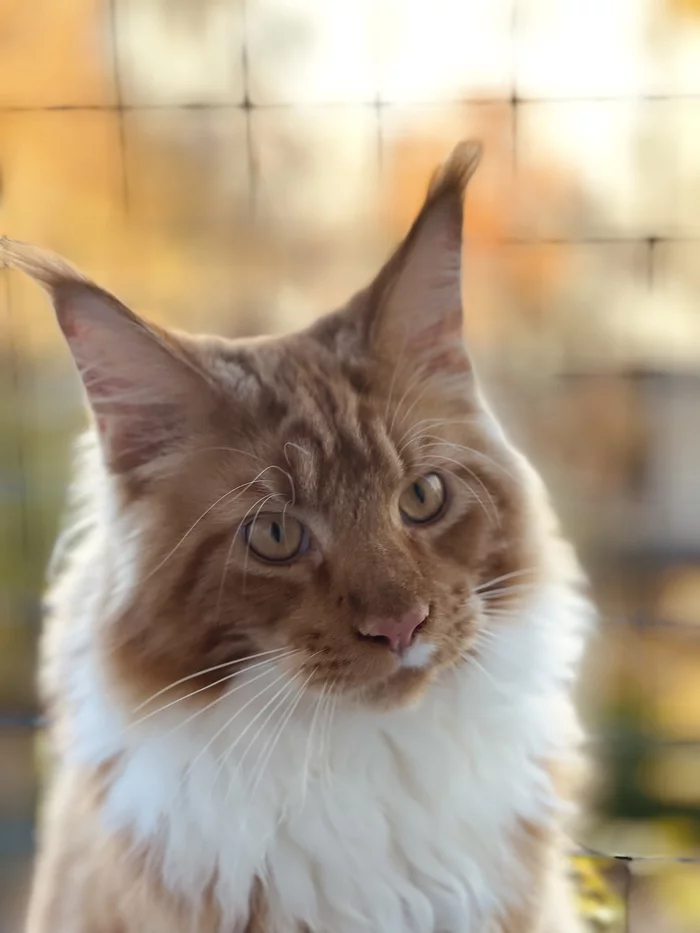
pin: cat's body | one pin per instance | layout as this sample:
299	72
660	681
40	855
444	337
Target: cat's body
393	754
417	819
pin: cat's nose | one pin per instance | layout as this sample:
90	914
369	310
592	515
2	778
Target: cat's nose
397	632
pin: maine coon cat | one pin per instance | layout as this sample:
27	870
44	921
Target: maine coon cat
309	666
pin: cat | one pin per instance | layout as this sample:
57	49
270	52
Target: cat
309	664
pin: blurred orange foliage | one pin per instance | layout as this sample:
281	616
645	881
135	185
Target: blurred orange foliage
685	7
51	54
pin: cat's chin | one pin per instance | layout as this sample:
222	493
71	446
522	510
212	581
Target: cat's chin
409	678
404	689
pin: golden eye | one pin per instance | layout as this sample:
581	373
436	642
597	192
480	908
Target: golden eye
424	500
275	537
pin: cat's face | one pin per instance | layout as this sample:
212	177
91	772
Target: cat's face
354	520
334	501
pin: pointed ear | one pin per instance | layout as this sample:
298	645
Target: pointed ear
141	384
415	303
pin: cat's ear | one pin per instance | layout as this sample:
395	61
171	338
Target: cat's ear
140	383
415	303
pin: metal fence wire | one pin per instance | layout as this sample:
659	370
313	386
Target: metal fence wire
18	376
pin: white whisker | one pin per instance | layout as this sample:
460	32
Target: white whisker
413	404
206	670
298	447
494	516
234	538
395	373
435	422
286	689
259	768
284	514
277	733
506	590
287	692
309	741
440	442
329	731
505	576
413	383
206	687
470	659
228	722
324	724
247	550
189	531
499	613
227	754
223	696
486	635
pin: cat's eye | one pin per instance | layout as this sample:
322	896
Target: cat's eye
276	538
423	500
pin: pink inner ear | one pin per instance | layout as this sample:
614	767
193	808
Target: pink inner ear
141	391
72	325
134	425
439	346
135	436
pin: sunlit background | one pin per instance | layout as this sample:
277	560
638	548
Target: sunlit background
243	165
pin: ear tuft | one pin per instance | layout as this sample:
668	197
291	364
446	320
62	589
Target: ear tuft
67	286
144	388
45	267
456	170
415	303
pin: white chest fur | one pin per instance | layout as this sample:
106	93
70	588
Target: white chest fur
394	823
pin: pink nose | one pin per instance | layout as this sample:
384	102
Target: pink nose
397	631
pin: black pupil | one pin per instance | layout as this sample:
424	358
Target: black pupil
419	493
276	532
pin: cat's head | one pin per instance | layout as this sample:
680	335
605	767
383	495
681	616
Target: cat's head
337	502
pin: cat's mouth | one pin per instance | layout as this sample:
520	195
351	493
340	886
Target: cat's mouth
391	662
414	669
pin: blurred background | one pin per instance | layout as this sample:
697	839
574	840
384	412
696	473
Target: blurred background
243	165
